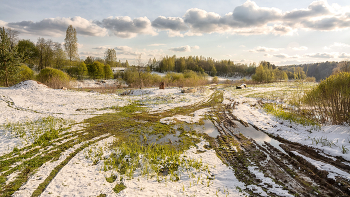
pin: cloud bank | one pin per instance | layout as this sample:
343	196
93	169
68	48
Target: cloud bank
246	19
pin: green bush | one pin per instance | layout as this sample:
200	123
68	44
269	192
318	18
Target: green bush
53	78
78	71
215	80
310	79
25	73
330	100
96	70
108	73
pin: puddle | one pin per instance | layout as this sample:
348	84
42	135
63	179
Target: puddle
167	138
259	136
207	128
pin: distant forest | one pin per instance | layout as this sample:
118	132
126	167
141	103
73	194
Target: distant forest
318	70
201	64
228	68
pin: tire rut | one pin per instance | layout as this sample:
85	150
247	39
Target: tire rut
288	171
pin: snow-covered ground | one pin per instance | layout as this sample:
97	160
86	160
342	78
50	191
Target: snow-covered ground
330	138
80	177
32	101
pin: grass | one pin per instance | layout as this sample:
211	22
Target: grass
126	124
322	140
344	150
38	131
119	187
279	112
112	178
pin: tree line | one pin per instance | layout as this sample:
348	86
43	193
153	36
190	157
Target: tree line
320	70
201	64
19	58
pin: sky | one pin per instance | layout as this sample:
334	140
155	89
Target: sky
282	32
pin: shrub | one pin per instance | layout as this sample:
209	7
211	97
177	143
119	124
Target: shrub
53	78
310	79
108	73
78	71
330	100
215	80
96	70
25	73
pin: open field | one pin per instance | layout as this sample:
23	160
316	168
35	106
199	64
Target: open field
216	141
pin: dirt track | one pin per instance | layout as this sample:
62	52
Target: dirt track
288	170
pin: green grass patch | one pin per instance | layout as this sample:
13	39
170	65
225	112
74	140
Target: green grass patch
279	112
119	187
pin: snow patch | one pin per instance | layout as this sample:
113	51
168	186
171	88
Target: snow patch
29	85
333	171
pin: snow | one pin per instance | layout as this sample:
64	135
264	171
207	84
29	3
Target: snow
30	100
194	118
329	138
267	183
94	83
332	171
29	85
80	177
44	171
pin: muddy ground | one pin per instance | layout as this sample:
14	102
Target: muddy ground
290	171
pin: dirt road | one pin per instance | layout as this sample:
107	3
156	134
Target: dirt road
278	168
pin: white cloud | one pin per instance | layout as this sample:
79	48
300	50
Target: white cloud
339	44
344	55
246	19
316	8
301	48
185	48
80	45
250	14
57	27
3	23
84	54
156	45
321	55
285	56
100	48
264	49
125	27
126	50
170	23
195	47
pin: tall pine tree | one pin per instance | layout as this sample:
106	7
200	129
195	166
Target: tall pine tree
9	58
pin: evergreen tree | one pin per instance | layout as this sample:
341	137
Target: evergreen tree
9	58
108	73
213	71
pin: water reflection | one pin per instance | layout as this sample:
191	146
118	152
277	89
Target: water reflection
208	128
259	136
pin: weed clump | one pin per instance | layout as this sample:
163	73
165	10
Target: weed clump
330	100
277	110
119	187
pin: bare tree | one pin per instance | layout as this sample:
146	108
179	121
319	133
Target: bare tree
13	36
343	66
71	43
111	57
139	69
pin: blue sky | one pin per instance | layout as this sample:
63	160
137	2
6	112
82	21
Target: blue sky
280	31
